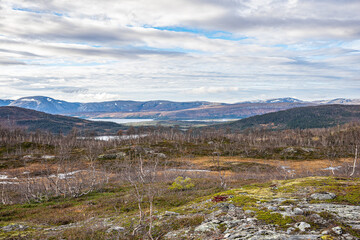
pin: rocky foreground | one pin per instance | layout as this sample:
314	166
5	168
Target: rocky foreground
315	221
300	209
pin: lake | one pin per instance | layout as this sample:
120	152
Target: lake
120	120
138	120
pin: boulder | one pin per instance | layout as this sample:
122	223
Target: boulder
298	211
338	230
272	208
302	226
115	229
169	213
207	227
120	155
14	227
323	196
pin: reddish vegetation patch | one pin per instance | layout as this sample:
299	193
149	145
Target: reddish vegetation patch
219	198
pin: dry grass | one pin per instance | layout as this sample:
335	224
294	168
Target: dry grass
297	165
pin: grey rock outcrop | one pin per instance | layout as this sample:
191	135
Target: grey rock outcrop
323	196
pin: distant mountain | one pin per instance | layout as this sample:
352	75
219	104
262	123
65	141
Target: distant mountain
303	117
34	120
340	101
165	110
160	109
284	100
45	104
233	111
240	110
134	106
53	106
5	102
277	100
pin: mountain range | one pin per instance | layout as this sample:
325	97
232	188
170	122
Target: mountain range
321	116
161	109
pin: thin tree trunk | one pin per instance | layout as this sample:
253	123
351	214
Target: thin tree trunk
354	166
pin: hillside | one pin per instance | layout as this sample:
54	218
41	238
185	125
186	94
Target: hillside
33	120
302	117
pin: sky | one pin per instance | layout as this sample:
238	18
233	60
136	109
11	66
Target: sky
180	50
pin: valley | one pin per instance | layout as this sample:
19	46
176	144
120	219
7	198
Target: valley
176	184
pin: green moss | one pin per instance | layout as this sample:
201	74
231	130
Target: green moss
244	201
274	218
182	184
327	237
222	227
352	195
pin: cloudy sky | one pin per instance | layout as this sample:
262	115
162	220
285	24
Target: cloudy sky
182	50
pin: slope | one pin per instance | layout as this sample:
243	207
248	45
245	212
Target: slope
33	120
302	117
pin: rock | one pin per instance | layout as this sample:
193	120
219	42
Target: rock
315	216
348	214
323	196
251	219
216	221
265	232
120	155
107	156
338	230
272	208
207	227
308	149
139	149
243	193
302	226
231	206
349	237
298	211
14	227
289	150
160	155
178	234
303	237
222	205
325	232
232	224
116	229
290	230
249	212
149	151
169	213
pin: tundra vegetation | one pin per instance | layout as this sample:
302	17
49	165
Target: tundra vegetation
167	183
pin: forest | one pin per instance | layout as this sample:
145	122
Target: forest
61	180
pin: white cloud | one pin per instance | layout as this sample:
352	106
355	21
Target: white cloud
107	50
207	90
